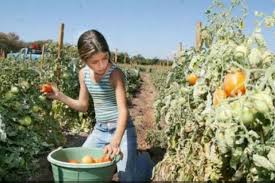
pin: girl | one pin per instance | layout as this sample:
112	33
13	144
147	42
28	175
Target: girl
114	130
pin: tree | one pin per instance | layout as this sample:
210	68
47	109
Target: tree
10	42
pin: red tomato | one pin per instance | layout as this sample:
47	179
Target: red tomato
46	88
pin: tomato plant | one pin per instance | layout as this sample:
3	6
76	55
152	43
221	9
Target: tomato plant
214	133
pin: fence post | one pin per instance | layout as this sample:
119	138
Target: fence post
116	56
125	58
60	40
60	45
180	47
30	53
43	52
42	56
198	36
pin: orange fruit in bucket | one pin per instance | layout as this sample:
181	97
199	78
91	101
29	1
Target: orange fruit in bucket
72	161
98	160
87	159
106	158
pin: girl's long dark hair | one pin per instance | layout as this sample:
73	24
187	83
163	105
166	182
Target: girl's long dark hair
90	43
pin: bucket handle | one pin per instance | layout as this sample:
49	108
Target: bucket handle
118	157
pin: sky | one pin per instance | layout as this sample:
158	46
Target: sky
152	28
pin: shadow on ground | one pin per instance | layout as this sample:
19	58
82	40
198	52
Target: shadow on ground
156	153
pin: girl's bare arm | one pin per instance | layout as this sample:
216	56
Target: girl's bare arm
81	104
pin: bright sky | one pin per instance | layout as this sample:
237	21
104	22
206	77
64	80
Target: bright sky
152	28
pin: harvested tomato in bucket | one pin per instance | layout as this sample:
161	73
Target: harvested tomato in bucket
67	164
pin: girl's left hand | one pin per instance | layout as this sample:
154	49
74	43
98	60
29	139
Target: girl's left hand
112	149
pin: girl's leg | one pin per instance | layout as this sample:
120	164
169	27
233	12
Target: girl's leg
97	138
127	166
134	166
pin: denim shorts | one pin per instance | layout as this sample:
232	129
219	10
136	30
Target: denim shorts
102	135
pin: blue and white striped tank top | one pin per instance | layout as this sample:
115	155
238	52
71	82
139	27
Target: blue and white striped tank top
103	95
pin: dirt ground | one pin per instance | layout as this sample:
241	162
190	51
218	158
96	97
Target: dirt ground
141	111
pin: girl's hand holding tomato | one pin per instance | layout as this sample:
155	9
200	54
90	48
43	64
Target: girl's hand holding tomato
50	91
46	88
112	149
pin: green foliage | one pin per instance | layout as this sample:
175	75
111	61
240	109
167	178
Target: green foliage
27	126
232	141
133	81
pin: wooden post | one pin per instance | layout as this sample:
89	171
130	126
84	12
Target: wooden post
180	47
60	40
131	61
43	52
125	58
116	55
30	54
3	53
42	57
198	36
60	45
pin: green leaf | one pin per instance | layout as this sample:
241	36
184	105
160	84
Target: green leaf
261	161
271	156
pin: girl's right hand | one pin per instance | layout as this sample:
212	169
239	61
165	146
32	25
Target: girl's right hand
53	94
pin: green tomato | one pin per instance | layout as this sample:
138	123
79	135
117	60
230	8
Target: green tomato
20	127
65	75
247	116
42	98
17	105
236	108
263	102
25	84
26	121
241	52
224	113
243	110
9	95
255	56
253	170
261	106
14	90
35	108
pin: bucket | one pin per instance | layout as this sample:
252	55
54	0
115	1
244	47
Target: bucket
78	172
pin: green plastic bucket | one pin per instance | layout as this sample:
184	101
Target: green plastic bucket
79	172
